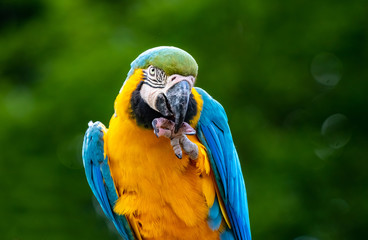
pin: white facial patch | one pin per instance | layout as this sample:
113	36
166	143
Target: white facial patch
156	82
150	94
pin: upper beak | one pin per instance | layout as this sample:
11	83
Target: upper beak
174	102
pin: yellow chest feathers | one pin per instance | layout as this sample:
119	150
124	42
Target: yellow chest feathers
155	187
164	195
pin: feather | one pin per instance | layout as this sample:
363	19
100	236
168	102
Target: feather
215	135
214	216
227	235
99	177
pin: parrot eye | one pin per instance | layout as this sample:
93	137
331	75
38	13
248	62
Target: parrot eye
155	77
152	71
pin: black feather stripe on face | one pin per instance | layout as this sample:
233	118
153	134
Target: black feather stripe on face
144	114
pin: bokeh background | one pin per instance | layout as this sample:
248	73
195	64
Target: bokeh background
292	76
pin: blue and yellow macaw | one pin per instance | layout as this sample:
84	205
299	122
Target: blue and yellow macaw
167	167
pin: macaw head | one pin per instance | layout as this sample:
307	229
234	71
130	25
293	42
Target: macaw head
166	76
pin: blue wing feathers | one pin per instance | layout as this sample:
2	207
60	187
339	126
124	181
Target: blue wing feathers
214	216
101	194
214	210
235	220
227	235
99	177
218	170
214	132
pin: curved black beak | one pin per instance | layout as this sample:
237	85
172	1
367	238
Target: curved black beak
174	103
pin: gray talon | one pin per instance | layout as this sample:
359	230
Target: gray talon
154	123
189	148
178	138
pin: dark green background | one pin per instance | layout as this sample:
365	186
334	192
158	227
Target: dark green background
292	76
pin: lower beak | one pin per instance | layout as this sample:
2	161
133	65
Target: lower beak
178	98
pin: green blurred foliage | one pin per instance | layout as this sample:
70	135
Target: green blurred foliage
292	76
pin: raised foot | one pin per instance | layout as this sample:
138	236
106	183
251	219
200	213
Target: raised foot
164	127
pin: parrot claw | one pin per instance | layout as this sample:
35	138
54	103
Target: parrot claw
154	123
164	127
155	129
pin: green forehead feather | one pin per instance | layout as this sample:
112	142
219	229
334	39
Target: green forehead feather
170	59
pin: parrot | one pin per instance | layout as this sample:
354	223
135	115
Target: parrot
167	166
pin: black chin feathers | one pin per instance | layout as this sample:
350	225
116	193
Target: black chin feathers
141	111
192	109
144	114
